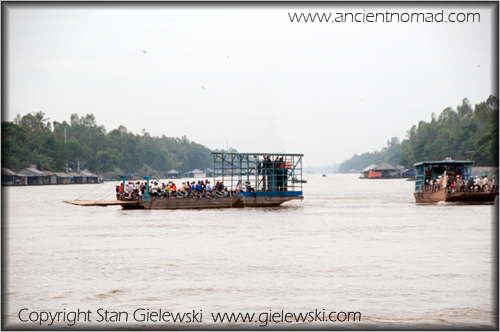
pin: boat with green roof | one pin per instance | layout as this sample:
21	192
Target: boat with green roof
442	181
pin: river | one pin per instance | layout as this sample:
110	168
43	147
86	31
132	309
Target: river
351	245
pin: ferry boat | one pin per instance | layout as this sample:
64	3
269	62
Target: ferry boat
428	192
250	180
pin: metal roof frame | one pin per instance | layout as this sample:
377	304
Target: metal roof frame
259	154
443	162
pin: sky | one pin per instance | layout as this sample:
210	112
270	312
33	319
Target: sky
246	77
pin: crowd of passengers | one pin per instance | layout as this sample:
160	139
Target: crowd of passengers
457	183
276	170
133	191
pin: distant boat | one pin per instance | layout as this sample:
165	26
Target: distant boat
324	175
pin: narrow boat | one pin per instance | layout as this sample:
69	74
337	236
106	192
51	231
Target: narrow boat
249	179
442	181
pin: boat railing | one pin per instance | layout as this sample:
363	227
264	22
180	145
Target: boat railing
430	188
473	188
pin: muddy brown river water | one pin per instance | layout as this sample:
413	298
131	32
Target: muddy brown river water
351	245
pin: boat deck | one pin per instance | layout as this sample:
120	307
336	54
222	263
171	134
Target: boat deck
243	200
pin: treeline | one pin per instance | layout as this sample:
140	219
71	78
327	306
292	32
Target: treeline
468	131
389	154
32	139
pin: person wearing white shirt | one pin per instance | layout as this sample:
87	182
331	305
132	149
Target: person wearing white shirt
154	189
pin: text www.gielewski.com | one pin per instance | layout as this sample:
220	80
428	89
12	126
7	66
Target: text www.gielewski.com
286	317
387	17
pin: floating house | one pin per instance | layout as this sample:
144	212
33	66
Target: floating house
195	173
63	178
409	174
52	177
89	177
385	171
173	174
35	176
208	172
76	178
365	172
109	176
11	178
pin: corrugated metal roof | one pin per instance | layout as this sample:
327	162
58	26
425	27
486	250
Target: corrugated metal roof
34	171
62	175
367	168
88	174
384	166
444	162
75	175
8	171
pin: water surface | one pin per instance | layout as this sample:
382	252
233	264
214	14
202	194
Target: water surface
350	245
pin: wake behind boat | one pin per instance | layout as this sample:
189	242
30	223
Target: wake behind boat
240	180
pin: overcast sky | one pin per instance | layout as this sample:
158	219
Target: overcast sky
246	75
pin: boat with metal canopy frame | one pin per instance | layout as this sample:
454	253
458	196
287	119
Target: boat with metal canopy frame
427	192
250	180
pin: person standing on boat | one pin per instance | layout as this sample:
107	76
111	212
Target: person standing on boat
477	183
117	189
154	189
127	190
485	183
199	188
268	164
208	187
121	189
470	184
458	183
494	182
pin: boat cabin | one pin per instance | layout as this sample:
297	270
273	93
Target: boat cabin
427	171
259	174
